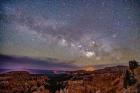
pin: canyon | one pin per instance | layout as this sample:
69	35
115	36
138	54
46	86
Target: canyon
106	80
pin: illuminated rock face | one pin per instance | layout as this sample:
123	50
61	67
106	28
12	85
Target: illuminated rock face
137	74
96	86
22	82
108	80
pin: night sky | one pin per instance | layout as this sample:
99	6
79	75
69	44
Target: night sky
83	32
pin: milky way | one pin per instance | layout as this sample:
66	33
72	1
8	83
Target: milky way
86	32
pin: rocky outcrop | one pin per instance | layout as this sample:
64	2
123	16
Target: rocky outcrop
108	80
22	82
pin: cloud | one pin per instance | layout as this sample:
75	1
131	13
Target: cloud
14	62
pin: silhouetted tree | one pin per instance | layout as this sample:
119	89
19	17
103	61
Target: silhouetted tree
129	77
53	85
133	64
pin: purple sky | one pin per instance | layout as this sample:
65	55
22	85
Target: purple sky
82	32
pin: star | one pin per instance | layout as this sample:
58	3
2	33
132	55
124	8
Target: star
83	31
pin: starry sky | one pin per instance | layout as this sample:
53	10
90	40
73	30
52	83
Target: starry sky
83	32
